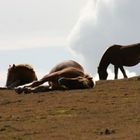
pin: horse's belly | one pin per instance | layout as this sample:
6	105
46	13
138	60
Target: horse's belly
131	60
130	63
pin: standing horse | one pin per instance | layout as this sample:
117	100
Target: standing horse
119	56
65	75
19	75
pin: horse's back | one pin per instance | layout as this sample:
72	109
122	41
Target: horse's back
123	51
66	64
133	49
127	55
27	71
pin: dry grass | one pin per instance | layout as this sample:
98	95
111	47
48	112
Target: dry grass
110	111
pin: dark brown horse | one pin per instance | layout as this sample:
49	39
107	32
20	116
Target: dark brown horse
19	75
66	75
119	56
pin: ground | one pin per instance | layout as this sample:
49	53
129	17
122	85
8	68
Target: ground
110	111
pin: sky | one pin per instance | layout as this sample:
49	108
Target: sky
35	23
35	32
45	32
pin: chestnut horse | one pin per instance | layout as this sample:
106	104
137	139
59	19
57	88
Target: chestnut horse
19	75
65	75
119	56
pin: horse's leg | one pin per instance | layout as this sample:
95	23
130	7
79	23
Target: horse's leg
41	89
116	71
14	84
35	84
48	77
123	71
28	90
20	90
54	76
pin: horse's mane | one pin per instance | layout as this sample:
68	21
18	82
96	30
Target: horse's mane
22	66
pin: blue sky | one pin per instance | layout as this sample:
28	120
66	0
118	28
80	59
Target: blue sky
42	58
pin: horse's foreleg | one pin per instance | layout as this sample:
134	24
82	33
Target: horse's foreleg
14	84
123	72
116	72
35	84
41	89
48	77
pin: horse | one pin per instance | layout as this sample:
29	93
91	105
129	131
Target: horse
65	75
62	65
119	56
19	75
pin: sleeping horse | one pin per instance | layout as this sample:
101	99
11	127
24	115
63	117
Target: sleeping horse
65	75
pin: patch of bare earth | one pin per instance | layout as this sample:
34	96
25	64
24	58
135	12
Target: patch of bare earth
110	111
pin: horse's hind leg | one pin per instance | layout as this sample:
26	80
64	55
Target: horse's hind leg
123	71
116	72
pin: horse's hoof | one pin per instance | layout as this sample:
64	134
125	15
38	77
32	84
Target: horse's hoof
27	91
18	90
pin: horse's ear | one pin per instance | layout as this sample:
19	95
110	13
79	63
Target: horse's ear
14	66
10	66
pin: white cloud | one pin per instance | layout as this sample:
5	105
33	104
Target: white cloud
3	78
31	23
102	24
31	41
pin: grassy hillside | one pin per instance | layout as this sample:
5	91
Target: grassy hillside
110	111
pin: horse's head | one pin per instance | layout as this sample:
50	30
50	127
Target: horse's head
20	74
11	75
102	74
76	83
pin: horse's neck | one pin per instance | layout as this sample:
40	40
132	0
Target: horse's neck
104	62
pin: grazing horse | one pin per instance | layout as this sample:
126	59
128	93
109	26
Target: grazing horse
119	56
19	75
66	75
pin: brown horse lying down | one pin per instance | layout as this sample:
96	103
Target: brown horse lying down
19	75
66	75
